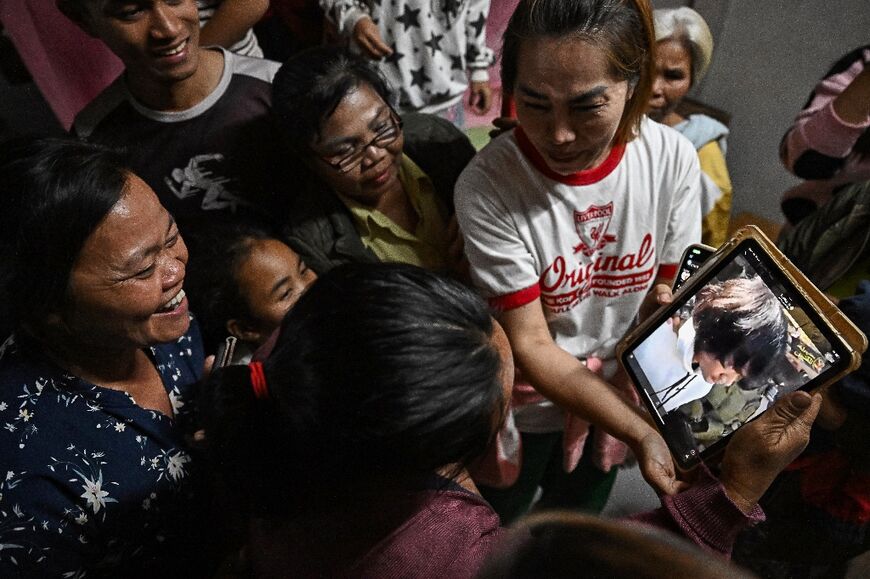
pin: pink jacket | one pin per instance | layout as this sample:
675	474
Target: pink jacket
820	147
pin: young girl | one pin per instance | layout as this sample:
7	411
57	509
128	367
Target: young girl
242	281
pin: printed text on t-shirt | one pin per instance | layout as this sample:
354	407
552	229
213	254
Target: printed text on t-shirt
563	286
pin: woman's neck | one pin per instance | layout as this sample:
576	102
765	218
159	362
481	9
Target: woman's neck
460	477
396	204
185	94
673	119
127	370
96	364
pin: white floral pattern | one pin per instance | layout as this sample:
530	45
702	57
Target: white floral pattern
91	479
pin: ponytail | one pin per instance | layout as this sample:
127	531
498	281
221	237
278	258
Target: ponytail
244	436
382	374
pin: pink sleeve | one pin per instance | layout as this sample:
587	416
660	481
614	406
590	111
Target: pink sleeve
818	130
704	514
69	67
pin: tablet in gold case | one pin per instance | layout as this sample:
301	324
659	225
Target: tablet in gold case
745	329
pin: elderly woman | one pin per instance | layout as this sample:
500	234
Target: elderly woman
374	186
569	221
96	380
683	54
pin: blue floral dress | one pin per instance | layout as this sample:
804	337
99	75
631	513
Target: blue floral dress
91	483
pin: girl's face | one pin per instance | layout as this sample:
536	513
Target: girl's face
271	280
363	128
568	102
673	80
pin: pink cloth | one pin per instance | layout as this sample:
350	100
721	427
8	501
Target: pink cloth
501	466
447	533
704	514
69	67
818	129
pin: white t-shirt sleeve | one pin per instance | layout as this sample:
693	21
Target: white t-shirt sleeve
684	221
502	267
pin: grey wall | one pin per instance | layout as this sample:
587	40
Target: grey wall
769	55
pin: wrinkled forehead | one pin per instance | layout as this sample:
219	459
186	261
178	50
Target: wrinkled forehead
358	112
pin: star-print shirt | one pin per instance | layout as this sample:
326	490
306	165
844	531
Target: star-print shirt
436	45
92	484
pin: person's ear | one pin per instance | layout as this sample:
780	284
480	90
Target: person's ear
244	331
77	12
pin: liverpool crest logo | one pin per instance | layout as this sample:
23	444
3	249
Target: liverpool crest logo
591	226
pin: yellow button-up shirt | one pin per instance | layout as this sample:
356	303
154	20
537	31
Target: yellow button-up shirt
427	245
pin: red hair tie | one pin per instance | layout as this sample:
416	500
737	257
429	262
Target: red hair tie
258	381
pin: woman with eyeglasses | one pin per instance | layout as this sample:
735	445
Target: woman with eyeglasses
372	187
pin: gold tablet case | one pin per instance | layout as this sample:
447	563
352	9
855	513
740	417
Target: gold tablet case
854	339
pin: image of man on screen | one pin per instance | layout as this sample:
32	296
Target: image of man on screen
736	328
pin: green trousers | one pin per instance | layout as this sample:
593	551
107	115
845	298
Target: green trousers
585	489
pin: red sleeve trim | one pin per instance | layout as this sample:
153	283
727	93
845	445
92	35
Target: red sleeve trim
516	299
668	270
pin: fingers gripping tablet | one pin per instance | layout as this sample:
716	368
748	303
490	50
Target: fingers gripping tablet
744	330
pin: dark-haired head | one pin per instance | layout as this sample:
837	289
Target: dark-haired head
55	193
740	323
311	84
382	375
558	544
622	29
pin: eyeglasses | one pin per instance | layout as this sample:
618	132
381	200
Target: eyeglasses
383	138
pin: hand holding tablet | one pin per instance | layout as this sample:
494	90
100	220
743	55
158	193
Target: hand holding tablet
743	331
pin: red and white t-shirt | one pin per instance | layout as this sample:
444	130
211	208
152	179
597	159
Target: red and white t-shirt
588	244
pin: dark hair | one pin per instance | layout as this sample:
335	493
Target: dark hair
563	545
55	193
622	28
382	372
217	249
741	321
311	84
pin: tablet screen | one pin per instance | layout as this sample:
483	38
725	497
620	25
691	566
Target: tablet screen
722	353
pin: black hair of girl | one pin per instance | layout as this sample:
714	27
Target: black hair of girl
740	321
309	87
217	247
55	193
382	375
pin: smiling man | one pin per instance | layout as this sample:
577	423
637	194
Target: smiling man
194	120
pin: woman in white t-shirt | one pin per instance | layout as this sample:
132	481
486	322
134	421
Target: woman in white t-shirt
569	221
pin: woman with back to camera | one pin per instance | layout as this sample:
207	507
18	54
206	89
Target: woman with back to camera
347	447
569	221
374	186
683	54
96	381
